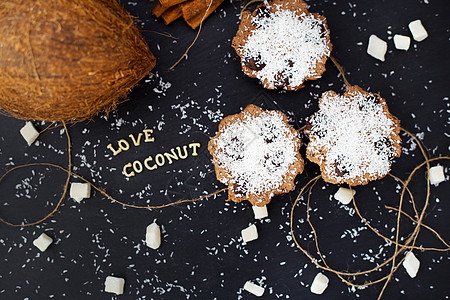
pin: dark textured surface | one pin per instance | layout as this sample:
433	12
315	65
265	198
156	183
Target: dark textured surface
202	255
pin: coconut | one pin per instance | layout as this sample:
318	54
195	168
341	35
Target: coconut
67	60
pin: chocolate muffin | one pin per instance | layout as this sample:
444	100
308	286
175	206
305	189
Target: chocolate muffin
353	137
282	44
256	153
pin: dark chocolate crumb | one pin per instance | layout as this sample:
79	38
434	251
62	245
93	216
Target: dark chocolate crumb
239	189
339	169
281	80
254	63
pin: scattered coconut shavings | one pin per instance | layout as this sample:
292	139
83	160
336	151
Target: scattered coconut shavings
257	152
353	137
286	47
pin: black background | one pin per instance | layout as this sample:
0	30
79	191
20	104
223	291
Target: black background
202	255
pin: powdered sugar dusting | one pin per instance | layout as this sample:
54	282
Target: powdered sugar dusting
257	152
288	44
352	136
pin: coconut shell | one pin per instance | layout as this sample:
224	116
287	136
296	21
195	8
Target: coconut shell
66	60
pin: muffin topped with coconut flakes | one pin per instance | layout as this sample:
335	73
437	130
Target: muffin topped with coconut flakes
256	153
282	44
353	137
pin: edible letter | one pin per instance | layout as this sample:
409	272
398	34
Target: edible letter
114	151
148	135
124	170
194	149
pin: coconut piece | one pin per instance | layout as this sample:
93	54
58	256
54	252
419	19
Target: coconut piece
260	211
114	285
153	236
80	191
320	283
418	31
68	60
402	42
250	233
254	289
436	175
344	195
42	242
29	133
377	47
411	264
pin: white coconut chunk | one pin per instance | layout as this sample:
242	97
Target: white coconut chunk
411	264
153	236
320	283
29	133
254	289
80	191
377	47
436	175
260	212
402	42
42	242
250	233
344	195
114	285
418	31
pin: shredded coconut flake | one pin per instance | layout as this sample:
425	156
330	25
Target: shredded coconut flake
288	44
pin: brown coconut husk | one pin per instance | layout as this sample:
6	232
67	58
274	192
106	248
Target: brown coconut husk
66	60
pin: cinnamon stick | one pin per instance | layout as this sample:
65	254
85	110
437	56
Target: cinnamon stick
194	11
158	10
171	14
170	3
